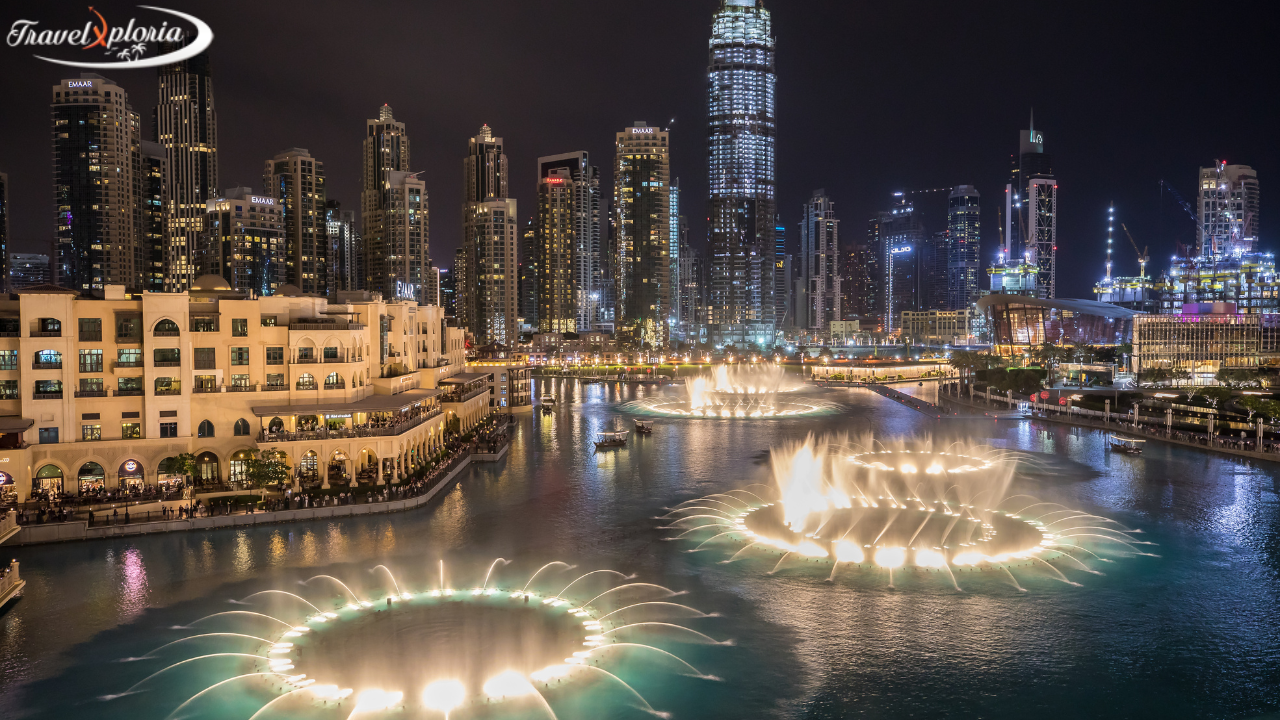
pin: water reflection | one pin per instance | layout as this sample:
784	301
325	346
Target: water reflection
1193	634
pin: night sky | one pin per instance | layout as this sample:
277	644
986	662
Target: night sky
872	98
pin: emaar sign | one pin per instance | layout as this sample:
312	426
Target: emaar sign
128	43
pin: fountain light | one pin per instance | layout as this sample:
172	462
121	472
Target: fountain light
848	552
508	684
375	700
444	695
930	558
890	557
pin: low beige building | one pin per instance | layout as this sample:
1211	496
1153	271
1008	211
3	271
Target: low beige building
104	393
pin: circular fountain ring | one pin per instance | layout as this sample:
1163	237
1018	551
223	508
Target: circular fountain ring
438	650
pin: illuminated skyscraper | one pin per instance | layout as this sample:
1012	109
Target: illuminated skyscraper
964	256
820	264
186	124
742	206
244	240
488	296
641	203
579	186
344	246
296	181
554	254
1228	209
1031	216
385	151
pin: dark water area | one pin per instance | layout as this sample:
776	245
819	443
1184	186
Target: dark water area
1194	632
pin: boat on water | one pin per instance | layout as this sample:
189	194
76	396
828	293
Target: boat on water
1127	445
611	438
548	400
546	409
644	427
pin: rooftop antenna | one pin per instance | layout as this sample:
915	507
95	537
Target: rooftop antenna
1111	221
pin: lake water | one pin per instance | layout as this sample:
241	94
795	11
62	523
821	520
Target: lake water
1194	632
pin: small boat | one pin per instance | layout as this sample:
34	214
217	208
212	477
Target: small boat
1129	446
546	409
548	400
613	438
644	427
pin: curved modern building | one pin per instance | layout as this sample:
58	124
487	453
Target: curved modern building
1020	322
741	132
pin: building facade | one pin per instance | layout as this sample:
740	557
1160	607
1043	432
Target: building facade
488	297
1018	324
743	205
344	247
105	393
583	179
244	241
27	269
385	150
97	176
964	247
1228	205
897	235
296	181
642	226
939	327
186	124
1203	339
820	264
555	246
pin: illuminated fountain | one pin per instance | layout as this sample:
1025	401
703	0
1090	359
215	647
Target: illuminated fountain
514	648
756	390
908	505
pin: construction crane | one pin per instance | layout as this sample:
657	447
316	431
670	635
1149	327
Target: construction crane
1177	196
1143	255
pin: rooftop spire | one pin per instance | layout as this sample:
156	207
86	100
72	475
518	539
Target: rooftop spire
384	112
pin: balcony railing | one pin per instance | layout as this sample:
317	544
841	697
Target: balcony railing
335	386
91	393
274	388
201	389
168	333
357	432
242	388
128	363
91	337
168	363
168	391
48	396
307	361
46	366
128	339
10	333
47	333
463	397
128	393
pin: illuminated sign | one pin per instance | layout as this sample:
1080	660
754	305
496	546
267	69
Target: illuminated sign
406	290
646	130
125	43
79	83
6	478
902	249
555	180
130	465
262	200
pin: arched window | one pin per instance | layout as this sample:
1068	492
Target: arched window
48	360
306	381
166	328
242	427
334	382
207	468
276	425
49	479
91	477
240	466
205	430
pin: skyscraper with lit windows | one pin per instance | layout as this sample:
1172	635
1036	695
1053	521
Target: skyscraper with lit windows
964	256
741	131
642	241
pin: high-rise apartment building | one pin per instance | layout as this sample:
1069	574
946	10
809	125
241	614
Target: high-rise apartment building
897	236
742	208
583	181
296	180
385	150
641	203
527	282
488	297
689	292
344	247
783	284
863	274
153	187
4	232
28	269
554	246
964	252
1229	203
97	177
820	263
186	124
449	292
244	240
1031	213
934	252
405	239
673	251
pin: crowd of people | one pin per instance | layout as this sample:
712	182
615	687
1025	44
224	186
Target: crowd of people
487	437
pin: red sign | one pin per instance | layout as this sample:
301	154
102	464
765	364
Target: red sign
1062	401
1044	394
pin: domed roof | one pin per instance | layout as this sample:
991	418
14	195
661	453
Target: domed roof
210	283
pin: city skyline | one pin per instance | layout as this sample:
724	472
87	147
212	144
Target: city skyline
1141	126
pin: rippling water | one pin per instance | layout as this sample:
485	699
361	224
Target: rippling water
1193	633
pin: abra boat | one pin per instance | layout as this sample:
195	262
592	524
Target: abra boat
612	438
644	427
1129	446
